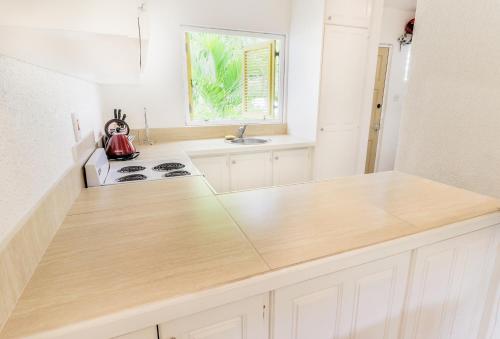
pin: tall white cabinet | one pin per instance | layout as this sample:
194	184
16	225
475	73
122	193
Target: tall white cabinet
350	40
343	81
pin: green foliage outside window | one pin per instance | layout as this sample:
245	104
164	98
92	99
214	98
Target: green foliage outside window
216	67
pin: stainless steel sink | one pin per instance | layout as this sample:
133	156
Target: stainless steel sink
249	141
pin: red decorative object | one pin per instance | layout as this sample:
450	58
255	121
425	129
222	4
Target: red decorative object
409	26
407	37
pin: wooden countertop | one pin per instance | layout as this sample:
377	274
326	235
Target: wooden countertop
292	224
125	246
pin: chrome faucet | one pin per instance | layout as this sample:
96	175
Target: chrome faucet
241	131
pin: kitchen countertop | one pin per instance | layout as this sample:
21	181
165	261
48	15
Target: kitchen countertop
174	237
201	147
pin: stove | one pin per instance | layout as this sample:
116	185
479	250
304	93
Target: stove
100	171
168	166
131	169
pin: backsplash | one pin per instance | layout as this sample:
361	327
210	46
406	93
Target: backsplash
41	164
37	133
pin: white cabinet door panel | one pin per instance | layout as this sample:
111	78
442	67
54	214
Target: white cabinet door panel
449	286
251	170
148	333
344	68
291	166
345	58
246	319
355	13
216	171
361	302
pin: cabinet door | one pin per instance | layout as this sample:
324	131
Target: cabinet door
361	302
291	166
247	319
448	290
354	13
345	57
148	333
216	171
251	170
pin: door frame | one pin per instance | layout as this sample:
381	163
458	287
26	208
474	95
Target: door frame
384	106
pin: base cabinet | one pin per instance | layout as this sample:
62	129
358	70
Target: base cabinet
447	293
148	333
247	319
446	290
215	169
236	172
252	170
291	166
361	302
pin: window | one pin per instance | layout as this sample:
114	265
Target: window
234	77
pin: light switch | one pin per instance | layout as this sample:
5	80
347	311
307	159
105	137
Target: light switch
76	127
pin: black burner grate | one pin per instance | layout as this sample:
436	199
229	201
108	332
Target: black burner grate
132	177
131	169
177	174
169	166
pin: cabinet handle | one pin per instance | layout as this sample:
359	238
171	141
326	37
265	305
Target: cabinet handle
276	158
232	162
321	129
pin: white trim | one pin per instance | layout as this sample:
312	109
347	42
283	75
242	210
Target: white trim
162	311
282	38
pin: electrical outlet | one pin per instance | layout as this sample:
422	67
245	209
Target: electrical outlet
76	127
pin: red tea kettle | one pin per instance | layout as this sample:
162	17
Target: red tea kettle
119	144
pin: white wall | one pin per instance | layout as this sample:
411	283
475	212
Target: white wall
304	67
114	17
163	84
37	133
393	23
450	129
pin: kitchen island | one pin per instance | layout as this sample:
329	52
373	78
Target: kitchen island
175	254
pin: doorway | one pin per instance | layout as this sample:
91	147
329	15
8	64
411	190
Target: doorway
377	106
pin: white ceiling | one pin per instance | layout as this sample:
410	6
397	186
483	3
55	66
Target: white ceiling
409	5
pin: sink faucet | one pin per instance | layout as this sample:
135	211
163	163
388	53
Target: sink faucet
241	131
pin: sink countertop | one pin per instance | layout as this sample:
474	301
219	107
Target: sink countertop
218	146
124	246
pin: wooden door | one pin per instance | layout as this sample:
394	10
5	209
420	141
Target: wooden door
378	102
364	302
216	170
449	286
291	166
246	319
251	170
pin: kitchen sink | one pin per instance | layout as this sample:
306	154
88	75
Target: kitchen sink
249	141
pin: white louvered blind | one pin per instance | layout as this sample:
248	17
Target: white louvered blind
259	80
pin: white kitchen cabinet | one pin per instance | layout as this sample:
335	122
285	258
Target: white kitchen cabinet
250	170
449	285
291	166
361	302
354	13
345	58
148	333
216	171
246	319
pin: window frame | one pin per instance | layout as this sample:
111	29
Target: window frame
282	38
